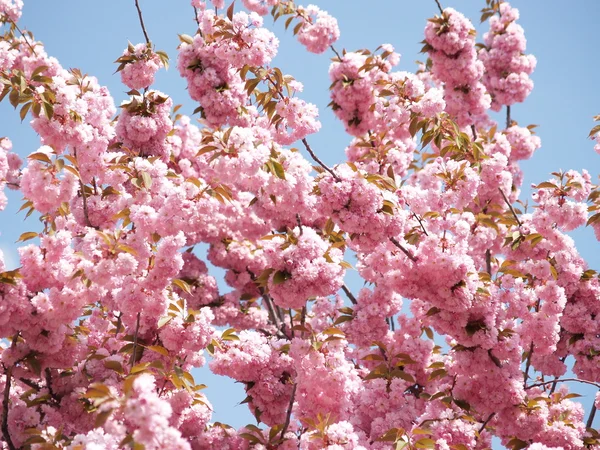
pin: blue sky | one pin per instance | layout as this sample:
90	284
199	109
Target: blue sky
91	35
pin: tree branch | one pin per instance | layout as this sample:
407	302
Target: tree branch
349	294
14	24
437	2
405	251
321	163
527	365
5	401
135	340
139	11
335	51
512	210
562	380
590	420
288	416
483	425
508	119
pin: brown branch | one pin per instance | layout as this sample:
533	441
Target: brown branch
5	401
335	51
420	223
196	16
288	416
85	206
48	375
139	11
135	340
483	425
119	319
512	210
437	2
508	119
590	420
557	378
14	24
474	131
321	163
405	251
488	261
349	294
31	384
299	222
562	380
527	366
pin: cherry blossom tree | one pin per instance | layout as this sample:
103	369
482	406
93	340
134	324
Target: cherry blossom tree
472	301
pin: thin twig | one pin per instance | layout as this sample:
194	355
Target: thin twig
557	378
291	322
288	416
349	294
590	420
5	401
562	380
142	22
405	251
437	2
135	339
85	206
508	119
483	425
527	365
335	51
474	131
24	37
31	384
321	163
48	375
488	261
512	210
299	222
119	321
420	223
196	16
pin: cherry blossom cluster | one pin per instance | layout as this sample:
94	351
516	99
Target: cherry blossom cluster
138	66
450	42
507	68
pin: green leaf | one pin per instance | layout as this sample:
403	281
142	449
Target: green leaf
281	277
